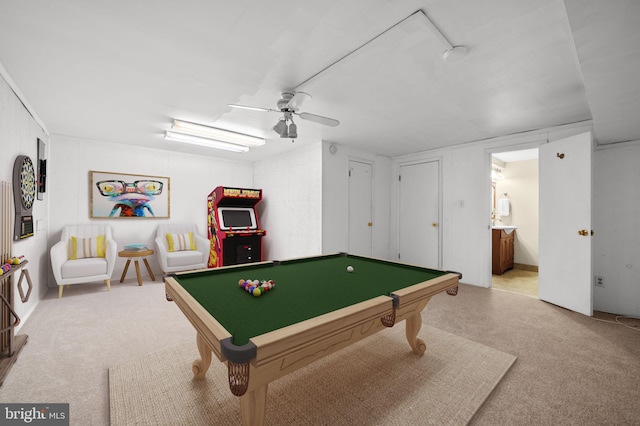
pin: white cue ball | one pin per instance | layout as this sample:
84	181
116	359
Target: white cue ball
349	268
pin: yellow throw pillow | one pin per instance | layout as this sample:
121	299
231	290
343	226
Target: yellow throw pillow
80	248
180	242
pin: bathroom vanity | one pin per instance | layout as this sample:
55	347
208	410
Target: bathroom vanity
502	247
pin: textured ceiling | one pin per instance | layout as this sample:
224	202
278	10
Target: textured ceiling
120	71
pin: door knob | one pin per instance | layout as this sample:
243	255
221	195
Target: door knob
434	224
369	224
583	232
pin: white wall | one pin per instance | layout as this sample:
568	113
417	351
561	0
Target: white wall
335	199
467	197
305	192
465	207
291	210
616	222
616	207
192	178
19	132
305	207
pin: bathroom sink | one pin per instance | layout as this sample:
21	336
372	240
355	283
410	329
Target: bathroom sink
506	228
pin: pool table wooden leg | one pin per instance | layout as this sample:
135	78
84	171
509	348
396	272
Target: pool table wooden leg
414	323
200	366
253	406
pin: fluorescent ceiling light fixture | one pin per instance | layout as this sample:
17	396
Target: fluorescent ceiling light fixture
206	142
222	135
246	107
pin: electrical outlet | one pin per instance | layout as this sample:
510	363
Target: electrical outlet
599	281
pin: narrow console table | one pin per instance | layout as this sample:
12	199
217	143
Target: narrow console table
11	345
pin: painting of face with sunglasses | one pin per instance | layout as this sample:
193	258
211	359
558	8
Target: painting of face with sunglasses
132	199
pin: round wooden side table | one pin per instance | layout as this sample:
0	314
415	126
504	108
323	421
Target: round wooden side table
135	255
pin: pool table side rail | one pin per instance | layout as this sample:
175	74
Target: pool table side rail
286	350
308	332
205	324
278	343
221	269
412	300
249	266
365	258
387	261
427	288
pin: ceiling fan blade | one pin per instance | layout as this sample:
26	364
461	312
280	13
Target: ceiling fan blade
298	99
319	119
251	107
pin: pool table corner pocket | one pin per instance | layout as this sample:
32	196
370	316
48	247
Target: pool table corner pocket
238	358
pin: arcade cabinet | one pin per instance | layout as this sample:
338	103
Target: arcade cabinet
233	228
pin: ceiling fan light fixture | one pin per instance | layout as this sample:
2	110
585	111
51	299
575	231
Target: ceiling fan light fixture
298	99
205	142
293	130
285	130
280	127
288	105
195	129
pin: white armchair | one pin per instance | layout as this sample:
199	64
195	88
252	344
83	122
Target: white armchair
84	268
181	260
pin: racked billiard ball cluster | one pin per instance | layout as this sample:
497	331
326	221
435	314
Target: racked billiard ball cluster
256	287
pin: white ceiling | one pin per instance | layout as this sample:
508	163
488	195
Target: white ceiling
120	71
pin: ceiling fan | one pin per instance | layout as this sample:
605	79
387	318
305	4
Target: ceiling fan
289	105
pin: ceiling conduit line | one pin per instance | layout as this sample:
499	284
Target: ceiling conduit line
297	88
450	54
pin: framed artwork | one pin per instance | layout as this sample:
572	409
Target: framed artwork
128	195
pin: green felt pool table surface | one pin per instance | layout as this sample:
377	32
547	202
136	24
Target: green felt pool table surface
304	288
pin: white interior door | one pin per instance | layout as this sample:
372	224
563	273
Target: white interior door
360	208
419	214
565	270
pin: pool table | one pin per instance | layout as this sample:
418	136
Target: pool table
315	308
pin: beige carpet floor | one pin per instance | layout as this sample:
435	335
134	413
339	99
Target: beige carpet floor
377	381
571	369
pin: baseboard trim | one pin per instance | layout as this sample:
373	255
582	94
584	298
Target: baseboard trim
525	267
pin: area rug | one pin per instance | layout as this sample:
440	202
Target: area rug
377	381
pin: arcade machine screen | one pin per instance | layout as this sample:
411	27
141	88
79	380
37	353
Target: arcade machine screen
237	218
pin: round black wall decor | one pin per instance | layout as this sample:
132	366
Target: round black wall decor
24	195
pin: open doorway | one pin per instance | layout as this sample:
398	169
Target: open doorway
514	221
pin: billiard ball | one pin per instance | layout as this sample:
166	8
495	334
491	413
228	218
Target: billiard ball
256	292
349	268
